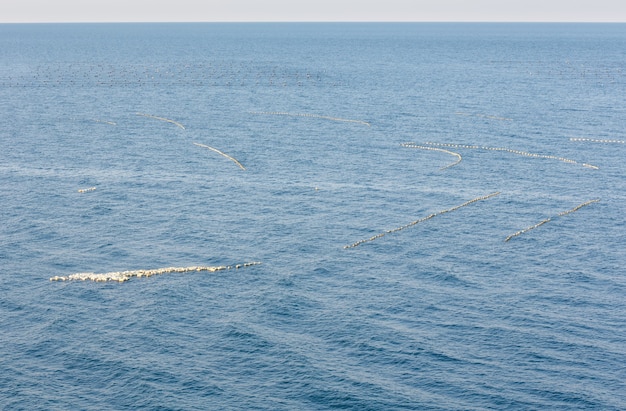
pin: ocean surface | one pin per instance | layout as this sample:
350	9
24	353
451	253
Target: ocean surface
438	211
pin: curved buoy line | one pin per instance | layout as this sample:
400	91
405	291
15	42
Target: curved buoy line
461	113
457	155
539	224
280	113
86	190
105	122
421	220
221	153
121	276
593	140
508	150
162	119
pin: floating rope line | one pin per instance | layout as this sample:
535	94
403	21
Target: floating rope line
592	140
122	276
527	229
162	119
224	154
578	207
461	113
105	122
550	219
457	155
421	220
279	113
508	150
86	190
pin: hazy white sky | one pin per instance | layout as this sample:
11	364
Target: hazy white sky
311	10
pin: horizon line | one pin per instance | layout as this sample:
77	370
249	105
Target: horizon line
313	21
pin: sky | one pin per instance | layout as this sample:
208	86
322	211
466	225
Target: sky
38	11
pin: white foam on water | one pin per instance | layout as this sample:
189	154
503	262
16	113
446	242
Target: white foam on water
122	276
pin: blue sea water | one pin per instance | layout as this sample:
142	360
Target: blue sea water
440	313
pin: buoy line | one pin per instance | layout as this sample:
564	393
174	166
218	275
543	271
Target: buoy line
561	214
121	276
578	207
421	220
222	153
508	150
532	227
457	155
593	140
86	190
280	113
105	122
162	119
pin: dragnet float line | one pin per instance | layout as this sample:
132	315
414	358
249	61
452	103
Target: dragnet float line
121	276
412	223
162	119
578	207
111	123
222	153
280	113
457	155
539	224
508	150
593	140
87	190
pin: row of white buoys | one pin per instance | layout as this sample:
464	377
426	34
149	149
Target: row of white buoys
578	207
532	227
222	153
162	119
508	150
87	190
461	113
412	223
111	123
593	140
539	224
121	276
280	113
457	155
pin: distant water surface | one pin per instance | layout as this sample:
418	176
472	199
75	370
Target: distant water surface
382	284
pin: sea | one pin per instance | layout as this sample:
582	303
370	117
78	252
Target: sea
313	216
